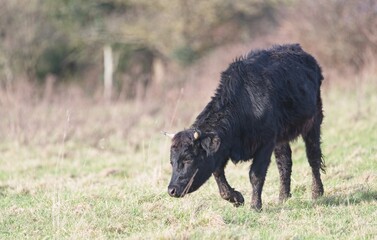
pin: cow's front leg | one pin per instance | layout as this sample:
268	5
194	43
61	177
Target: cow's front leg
226	191
258	173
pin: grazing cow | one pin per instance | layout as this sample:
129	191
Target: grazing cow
264	100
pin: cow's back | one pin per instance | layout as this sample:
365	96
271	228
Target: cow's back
283	85
267	94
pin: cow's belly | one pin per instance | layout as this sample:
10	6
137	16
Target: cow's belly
292	131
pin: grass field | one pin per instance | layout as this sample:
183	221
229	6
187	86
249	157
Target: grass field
95	171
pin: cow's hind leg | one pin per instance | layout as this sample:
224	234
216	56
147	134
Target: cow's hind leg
313	152
226	191
258	173
283	155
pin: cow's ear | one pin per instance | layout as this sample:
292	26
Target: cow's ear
211	144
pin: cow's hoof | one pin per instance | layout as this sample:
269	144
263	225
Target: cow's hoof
283	197
237	199
257	206
257	209
317	191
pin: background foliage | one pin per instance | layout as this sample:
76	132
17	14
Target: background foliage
65	38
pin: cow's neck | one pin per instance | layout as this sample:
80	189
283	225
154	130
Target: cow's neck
214	119
219	121
235	143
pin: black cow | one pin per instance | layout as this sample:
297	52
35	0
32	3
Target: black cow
264	100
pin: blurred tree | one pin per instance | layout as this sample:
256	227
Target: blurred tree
62	37
23	31
183	30
31	46
89	23
342	33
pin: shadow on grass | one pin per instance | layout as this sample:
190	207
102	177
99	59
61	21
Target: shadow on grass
341	199
348	199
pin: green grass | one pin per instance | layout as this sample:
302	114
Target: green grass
93	172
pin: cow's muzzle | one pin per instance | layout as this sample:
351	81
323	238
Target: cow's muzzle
173	192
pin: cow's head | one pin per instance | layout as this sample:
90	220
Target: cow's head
192	160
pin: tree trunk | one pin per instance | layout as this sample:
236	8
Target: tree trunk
108	71
158	71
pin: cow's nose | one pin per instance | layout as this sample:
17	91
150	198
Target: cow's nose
172	191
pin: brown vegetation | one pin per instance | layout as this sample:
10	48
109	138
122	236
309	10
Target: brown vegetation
341	34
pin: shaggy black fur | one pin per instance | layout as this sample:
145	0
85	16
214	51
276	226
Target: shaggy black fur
265	100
